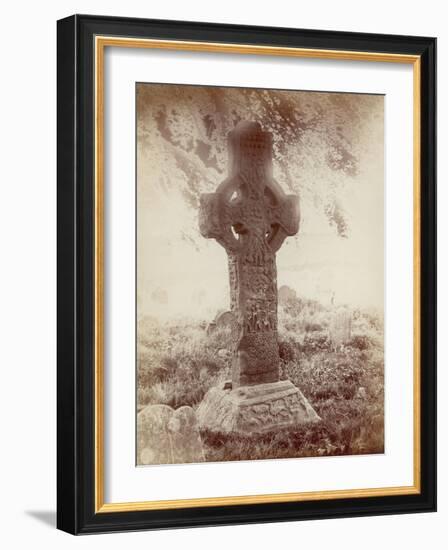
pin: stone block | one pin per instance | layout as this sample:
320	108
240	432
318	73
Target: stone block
255	409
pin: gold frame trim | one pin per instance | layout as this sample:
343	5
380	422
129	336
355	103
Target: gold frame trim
101	42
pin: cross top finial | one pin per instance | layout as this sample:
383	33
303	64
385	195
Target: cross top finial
250	134
248	142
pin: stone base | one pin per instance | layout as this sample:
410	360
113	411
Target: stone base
254	409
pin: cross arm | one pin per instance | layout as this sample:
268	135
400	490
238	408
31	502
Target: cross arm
288	215
216	218
284	220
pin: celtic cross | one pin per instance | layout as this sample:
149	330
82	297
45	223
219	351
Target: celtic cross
250	216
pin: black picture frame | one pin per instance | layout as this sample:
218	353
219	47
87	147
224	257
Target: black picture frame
76	512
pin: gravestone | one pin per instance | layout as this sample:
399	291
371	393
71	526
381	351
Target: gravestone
222	320
340	327
250	216
153	439
185	438
225	319
285	294
168	436
211	327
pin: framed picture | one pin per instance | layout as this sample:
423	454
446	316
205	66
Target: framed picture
246	274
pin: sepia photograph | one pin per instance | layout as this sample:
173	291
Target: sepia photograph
246	250
259	274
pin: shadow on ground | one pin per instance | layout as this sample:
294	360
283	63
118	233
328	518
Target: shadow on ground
48	517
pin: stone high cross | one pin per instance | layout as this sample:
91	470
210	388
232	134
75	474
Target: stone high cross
250	216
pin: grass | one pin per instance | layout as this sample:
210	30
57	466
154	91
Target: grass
177	364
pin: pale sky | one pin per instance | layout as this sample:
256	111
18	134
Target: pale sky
316	262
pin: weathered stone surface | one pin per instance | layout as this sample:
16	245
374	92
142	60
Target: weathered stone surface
340	327
286	293
185	438
153	438
225	319
168	436
255	409
250	216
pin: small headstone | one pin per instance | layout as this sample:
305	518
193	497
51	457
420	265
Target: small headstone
211	327
286	293
153	439
340	328
225	319
168	436
185	438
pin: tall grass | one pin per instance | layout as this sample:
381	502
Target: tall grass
177	364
